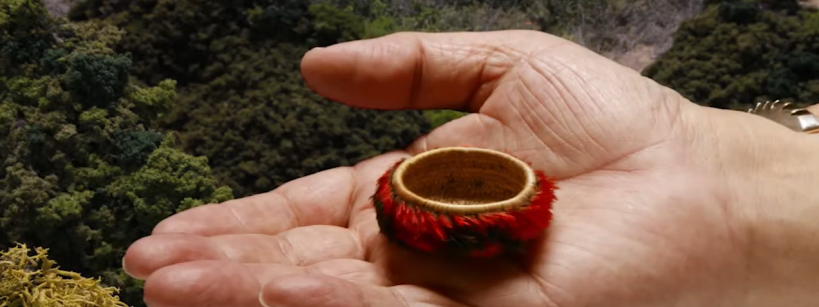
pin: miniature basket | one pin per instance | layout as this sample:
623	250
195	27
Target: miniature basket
463	200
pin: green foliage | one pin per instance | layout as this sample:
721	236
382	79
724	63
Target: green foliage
169	182
389	16
135	146
740	52
35	281
241	101
440	117
81	169
23	35
278	130
97	81
332	25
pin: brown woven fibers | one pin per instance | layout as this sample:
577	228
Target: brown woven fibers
465	180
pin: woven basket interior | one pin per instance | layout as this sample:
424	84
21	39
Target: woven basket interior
465	177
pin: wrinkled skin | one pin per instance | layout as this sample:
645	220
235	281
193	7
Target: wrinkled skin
661	202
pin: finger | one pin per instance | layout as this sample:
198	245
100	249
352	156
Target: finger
313	200
476	130
298	247
420	70
362	216
309	290
319	199
232	284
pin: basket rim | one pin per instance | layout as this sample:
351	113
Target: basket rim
522	199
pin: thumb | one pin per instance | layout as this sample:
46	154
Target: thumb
420	70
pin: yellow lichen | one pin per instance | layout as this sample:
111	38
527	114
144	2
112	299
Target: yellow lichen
35	281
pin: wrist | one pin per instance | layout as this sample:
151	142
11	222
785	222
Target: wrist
782	237
773	175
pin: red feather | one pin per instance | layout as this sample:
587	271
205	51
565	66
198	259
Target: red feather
476	235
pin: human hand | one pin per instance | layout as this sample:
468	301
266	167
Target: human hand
661	202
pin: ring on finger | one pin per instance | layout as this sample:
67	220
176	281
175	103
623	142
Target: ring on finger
800	120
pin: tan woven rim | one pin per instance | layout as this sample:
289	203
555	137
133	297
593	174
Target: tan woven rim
465	180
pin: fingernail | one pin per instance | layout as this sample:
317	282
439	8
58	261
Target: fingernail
261	300
125	269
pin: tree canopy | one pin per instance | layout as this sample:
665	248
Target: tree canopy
740	52
242	102
82	171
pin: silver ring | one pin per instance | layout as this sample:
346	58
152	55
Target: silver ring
808	122
800	120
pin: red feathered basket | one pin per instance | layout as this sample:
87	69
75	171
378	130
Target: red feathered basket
465	201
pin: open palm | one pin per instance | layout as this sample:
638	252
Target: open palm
628	231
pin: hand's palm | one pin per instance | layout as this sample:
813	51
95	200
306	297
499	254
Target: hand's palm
616	143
